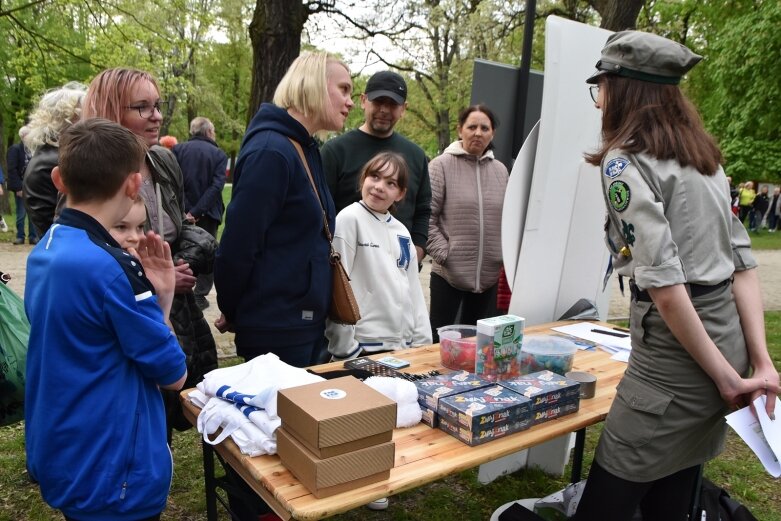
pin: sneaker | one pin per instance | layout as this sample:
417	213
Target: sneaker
19	241
379	504
201	302
33	241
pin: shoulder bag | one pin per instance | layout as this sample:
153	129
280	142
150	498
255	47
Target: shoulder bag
344	307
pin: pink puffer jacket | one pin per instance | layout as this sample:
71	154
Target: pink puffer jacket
464	233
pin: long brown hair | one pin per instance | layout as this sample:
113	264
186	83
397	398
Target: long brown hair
655	119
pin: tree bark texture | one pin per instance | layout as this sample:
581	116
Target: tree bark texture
618	15
275	32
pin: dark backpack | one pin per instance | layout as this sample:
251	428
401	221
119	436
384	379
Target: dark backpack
717	505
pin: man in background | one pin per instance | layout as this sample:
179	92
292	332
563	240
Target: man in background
203	166
384	102
17	158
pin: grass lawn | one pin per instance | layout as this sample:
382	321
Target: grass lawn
737	469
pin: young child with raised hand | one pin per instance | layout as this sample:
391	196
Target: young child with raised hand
99	348
129	230
378	254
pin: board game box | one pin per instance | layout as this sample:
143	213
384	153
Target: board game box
432	389
544	389
483	435
484	408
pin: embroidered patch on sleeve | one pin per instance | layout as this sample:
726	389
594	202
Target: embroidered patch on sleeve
614	167
619	194
629	232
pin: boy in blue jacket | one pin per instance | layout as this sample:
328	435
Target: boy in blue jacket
99	344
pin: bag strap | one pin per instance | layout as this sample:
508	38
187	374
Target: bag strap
300	151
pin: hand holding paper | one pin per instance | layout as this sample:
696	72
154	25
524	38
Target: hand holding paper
761	434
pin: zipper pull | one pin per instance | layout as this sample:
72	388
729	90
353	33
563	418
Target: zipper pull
124	490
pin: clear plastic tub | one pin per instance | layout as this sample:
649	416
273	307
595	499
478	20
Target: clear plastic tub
457	344
554	353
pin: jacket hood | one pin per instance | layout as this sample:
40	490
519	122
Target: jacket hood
271	117
456	148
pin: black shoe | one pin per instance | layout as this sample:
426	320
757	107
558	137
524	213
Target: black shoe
33	241
19	241
201	302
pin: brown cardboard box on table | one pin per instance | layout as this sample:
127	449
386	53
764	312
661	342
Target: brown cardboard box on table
329	476
336	434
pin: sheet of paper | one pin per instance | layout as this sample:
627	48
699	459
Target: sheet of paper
770	428
748	427
611	339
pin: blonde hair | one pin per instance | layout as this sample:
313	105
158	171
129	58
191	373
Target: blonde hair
57	110
304	87
109	92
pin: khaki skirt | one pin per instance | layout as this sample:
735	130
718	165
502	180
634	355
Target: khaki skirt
668	414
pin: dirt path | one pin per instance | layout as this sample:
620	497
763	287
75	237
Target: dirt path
13	261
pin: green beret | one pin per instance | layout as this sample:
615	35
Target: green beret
646	57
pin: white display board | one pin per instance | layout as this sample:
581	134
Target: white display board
562	257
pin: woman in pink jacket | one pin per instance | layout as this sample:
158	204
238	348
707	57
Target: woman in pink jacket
464	234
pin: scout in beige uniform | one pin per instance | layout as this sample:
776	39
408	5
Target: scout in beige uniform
698	339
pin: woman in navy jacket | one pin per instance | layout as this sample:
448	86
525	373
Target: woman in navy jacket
272	270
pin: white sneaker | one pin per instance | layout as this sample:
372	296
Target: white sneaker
379	504
3	226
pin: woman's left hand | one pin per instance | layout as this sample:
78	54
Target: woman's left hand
185	280
767	380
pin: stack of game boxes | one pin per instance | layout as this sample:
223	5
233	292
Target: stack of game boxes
477	411
551	394
336	435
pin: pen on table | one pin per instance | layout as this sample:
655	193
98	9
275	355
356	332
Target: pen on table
611	333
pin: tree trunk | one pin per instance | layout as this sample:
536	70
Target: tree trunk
618	15
275	32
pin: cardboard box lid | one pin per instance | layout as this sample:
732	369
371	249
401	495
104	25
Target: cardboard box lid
316	473
335	411
335	450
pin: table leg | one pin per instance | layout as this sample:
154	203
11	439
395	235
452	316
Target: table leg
577	459
209	481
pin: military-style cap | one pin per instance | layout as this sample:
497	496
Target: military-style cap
386	84
646	57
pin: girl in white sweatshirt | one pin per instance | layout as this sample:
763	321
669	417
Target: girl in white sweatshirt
379	256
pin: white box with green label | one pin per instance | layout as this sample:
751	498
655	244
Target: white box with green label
498	353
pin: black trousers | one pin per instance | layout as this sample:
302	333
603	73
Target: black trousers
205	281
446	301
610	498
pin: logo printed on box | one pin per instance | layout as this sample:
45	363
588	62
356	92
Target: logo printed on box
333	394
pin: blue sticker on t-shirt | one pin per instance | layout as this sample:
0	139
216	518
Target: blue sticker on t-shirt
614	167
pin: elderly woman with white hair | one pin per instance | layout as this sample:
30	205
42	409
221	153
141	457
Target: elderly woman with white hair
57	109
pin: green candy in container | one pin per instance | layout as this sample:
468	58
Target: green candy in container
457	347
551	352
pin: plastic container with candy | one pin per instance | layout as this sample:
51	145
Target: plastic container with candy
551	352
457	347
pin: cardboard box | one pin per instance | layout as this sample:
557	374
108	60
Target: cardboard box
554	411
430	417
482	435
329	476
544	389
484	408
498	353
432	389
336	416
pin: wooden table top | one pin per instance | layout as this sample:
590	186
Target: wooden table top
423	454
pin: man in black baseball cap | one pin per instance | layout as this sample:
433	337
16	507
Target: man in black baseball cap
384	102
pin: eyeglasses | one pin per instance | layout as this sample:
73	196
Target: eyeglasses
147	111
594	91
